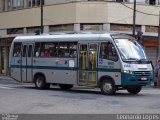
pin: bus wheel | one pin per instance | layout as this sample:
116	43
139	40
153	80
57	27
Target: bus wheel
134	89
40	82
107	87
65	86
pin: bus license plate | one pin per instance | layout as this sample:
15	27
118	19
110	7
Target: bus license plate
143	78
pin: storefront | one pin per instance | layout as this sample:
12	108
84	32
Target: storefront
5	44
150	45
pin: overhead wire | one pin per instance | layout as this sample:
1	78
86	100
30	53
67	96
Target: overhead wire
103	1
139	11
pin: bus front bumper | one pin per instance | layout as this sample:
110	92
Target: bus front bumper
136	79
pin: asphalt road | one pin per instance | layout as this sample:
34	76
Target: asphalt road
25	99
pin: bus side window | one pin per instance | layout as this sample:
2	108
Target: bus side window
24	51
103	51
17	49
108	51
112	52
72	50
30	51
37	50
67	49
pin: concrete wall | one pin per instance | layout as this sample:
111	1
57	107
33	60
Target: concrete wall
118	13
138	1
58	14
90	12
50	2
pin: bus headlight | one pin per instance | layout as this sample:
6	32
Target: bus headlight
128	72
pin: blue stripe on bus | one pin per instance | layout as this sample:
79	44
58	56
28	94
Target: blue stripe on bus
67	68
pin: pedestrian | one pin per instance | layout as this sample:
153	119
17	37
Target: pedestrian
157	73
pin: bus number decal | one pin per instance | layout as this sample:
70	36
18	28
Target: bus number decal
100	61
127	65
110	63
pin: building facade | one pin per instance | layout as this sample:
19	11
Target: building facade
23	17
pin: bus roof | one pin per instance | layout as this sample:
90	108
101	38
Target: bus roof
67	37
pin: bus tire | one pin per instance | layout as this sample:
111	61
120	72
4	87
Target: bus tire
134	89
65	86
40	82
107	87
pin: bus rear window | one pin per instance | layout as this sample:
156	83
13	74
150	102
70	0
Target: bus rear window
17	49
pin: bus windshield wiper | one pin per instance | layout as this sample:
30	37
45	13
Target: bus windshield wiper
135	59
143	60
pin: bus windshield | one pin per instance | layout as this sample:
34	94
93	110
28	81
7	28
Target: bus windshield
130	50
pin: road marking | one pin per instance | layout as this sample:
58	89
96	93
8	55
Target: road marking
13	86
3	87
9	86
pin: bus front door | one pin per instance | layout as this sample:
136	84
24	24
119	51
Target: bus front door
27	63
87	64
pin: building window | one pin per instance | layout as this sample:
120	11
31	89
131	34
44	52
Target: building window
15	4
152	29
2	5
58	28
119	0
91	27
34	3
33	29
95	0
151	2
15	31
123	27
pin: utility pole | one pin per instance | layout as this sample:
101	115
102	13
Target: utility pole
158	51
41	3
134	18
158	47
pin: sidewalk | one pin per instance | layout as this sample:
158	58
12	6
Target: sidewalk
4	77
7	80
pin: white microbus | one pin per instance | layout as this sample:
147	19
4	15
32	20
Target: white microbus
109	61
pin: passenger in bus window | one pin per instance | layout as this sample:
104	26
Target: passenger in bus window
46	53
72	54
42	53
51	52
17	53
61	53
38	52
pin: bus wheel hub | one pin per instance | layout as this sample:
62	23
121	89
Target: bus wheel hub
107	87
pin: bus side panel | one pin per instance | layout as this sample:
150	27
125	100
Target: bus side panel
14	65
111	75
61	76
56	70
15	68
111	69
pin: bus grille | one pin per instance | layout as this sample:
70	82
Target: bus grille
142	73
